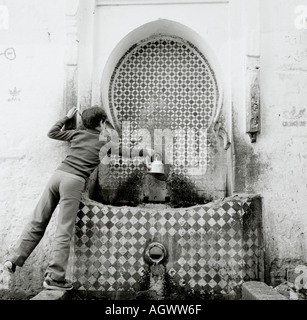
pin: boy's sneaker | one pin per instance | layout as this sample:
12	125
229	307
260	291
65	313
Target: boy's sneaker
9	266
51	284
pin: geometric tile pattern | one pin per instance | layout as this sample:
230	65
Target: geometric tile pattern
165	83
209	246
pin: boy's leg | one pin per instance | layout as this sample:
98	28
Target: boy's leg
71	188
35	228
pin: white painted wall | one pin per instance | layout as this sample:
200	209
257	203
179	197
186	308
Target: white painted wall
282	144
36	32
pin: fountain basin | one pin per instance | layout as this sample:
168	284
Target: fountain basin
213	247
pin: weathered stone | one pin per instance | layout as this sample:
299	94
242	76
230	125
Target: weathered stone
285	289
283	270
288	290
256	290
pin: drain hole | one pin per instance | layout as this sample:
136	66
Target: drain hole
155	256
156	253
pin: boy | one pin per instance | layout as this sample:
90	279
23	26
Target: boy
65	188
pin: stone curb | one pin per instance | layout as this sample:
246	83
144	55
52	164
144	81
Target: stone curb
256	290
51	295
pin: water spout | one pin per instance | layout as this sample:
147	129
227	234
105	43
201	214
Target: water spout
155	255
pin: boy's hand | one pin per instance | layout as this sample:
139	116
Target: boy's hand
71	112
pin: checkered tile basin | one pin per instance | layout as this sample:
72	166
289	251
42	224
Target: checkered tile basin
212	247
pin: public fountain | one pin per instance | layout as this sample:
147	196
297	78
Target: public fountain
190	236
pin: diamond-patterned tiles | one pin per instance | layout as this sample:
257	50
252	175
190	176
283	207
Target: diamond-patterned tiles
208	248
162	83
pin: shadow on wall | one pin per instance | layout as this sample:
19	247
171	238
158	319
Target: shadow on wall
181	191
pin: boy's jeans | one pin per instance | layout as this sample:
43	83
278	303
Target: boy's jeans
63	188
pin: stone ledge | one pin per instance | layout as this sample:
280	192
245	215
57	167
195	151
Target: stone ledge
256	290
52	295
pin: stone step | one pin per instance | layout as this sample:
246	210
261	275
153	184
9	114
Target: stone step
256	290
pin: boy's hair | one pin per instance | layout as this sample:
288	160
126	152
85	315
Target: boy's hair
92	116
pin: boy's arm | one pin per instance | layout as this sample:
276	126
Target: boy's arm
56	131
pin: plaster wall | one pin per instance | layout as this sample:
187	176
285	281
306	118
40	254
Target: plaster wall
31	101
275	166
284	78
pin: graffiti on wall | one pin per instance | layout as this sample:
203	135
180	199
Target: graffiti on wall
296	117
9	54
14	95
